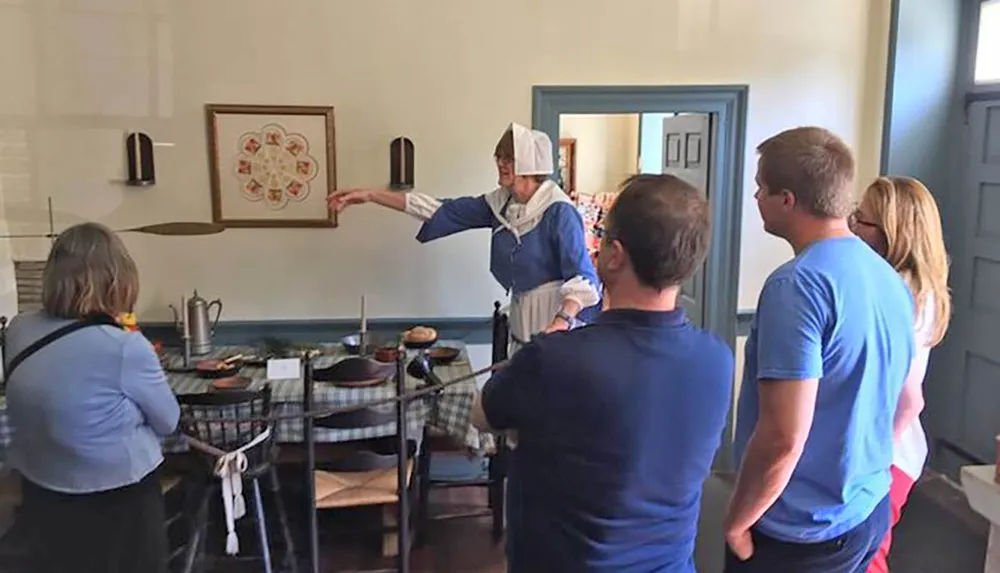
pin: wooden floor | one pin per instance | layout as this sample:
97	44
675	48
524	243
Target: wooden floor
461	546
938	534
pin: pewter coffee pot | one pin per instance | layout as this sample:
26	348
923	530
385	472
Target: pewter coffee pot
192	321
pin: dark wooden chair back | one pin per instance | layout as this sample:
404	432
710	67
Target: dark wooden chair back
199	410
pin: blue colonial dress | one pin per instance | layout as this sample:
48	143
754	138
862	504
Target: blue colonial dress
538	251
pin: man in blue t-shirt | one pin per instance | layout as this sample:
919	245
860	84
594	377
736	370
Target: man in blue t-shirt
618	422
825	364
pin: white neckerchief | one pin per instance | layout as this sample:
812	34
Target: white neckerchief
521	218
229	468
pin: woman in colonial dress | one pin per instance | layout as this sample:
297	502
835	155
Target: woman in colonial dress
538	251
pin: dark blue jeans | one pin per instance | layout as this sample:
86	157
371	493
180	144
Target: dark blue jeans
849	553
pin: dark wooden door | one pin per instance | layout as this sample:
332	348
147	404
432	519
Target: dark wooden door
686	148
964	396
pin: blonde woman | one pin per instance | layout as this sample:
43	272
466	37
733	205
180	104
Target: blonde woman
88	403
899	219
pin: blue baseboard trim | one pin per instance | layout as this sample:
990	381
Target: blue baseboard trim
471	330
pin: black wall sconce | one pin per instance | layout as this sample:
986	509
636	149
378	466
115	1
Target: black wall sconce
401	164
139	154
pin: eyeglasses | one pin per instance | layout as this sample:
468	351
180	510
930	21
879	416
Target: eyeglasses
855	220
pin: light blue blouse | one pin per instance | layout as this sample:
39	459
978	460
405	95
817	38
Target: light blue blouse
86	411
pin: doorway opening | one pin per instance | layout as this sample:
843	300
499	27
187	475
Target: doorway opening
695	132
599	151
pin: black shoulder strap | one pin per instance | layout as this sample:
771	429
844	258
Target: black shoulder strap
92	320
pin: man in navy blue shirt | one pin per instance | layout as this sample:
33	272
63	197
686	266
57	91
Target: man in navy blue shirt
826	359
618	422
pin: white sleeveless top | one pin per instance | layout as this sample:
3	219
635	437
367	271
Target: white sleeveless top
910	450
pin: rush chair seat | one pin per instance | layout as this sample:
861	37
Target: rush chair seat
367	475
356	489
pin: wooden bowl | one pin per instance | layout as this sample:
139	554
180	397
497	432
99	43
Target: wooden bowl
386	354
361	383
231	383
214	368
353	369
441	355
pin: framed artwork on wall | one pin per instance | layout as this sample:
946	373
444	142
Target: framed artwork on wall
271	166
567	166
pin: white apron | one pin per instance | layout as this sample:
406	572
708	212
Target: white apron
530	311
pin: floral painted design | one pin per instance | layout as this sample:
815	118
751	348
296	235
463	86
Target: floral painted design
274	166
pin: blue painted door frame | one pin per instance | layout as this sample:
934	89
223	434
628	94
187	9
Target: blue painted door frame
728	105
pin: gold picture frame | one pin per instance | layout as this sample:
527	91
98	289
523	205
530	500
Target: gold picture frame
271	166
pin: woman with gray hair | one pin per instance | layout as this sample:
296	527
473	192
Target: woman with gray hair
88	403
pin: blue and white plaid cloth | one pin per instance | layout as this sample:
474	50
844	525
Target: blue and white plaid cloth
447	413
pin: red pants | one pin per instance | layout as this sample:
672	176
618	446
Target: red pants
898	492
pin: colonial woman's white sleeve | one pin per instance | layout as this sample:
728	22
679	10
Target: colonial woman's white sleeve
421	205
580	290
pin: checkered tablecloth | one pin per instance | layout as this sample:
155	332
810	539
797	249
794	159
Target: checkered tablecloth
447	413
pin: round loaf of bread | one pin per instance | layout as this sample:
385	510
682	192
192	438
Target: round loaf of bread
421	334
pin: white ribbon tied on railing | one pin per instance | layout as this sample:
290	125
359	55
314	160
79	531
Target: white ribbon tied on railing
229	468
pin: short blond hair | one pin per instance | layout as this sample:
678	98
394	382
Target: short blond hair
814	165
89	271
